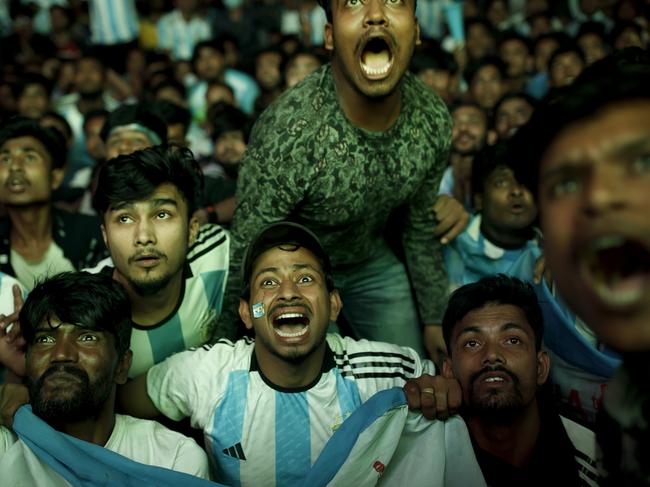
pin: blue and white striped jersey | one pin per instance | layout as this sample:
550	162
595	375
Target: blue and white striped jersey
257	433
113	21
192	323
179	36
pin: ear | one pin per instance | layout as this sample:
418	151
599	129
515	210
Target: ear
194	230
56	177
418	40
335	304
245	313
447	370
123	366
543	367
103	227
329	37
478	201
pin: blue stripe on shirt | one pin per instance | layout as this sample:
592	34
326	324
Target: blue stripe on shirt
227	429
292	438
213	285
347	392
167	339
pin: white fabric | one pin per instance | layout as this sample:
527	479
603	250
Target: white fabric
113	21
280	433
6	293
179	36
140	440
52	263
584	442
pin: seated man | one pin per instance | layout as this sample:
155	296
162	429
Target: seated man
493	330
77	327
174	272
502	233
267	407
36	239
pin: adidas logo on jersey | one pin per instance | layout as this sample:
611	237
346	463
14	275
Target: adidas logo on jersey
235	451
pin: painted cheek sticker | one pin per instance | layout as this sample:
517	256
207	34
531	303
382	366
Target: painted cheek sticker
258	310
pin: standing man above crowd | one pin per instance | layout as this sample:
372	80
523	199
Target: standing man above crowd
36	239
339	153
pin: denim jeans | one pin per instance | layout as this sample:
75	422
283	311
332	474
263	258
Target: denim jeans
378	302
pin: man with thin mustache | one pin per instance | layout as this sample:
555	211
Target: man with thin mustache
493	329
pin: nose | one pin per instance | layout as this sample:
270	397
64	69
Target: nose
64	351
375	13
516	189
604	190
492	354
288	290
145	233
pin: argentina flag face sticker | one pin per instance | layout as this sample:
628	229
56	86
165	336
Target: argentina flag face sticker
258	310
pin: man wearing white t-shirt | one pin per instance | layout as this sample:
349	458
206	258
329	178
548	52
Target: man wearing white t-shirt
267	407
78	327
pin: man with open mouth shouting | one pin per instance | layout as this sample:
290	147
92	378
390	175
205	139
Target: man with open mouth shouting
589	161
339	152
268	407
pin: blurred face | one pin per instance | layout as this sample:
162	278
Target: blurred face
209	64
565	69
497	12
267	70
176	133
487	86
229	147
171	94
72	371
628	38
372	43
515	54
291	286
594	200
439	81
493	356
33	101
93	140
300	67
543	51
217	93
469	132
506	206
121	142
479	41
510	116
26	174
592	47
148	239
89	77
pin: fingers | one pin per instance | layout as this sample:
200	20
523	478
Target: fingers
429	402
452	218
412	392
18	298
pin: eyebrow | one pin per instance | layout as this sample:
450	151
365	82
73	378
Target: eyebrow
123	205
504	327
295	267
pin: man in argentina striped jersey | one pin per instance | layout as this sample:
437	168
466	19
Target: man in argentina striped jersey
173	271
267	407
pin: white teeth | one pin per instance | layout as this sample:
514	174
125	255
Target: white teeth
295	334
290	315
630	294
494	379
376	71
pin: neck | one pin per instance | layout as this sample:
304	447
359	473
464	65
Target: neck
88	104
95	430
513	443
31	229
151	309
288	374
374	114
506	239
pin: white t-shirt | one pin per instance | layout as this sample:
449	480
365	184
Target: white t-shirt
52	263
140	440
255	430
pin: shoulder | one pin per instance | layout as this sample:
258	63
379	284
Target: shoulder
428	106
212	241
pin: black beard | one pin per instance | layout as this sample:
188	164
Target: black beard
85	403
150	288
500	407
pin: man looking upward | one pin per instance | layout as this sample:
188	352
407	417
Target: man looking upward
356	140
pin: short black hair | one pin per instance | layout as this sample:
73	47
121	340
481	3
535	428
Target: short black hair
227	119
52	139
622	76
498	289
513	35
327	6
486	161
93	301
170	83
29	79
565	48
621	27
133	177
475	66
212	44
139	113
432	57
172	114
516	95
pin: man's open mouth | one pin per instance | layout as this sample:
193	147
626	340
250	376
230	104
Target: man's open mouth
16	183
376	58
291	324
618	269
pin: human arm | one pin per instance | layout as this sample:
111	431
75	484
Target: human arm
451	216
12	396
437	397
133	399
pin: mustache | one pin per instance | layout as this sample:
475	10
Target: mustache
497	368
387	36
148	253
67	369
